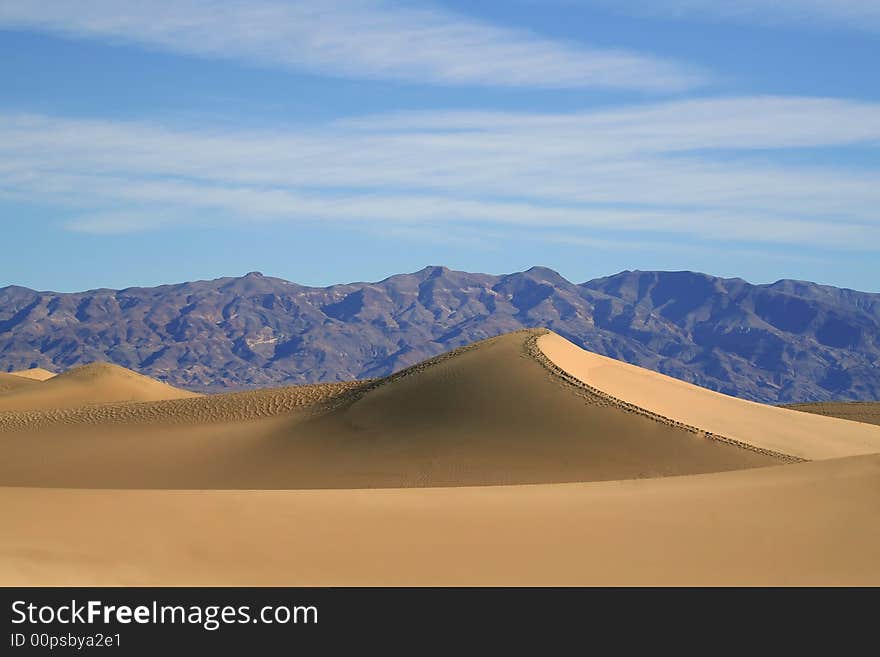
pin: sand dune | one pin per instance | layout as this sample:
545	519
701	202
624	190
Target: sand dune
35	373
868	412
802	435
485	415
91	384
11	383
427	470
803	524
191	411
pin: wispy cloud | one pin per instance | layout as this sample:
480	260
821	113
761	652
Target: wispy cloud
373	39
854	14
707	169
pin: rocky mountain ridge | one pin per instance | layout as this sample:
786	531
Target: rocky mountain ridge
790	341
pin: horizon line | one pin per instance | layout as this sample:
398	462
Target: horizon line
260	274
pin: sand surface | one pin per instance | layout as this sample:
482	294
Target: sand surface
35	373
488	465
484	416
804	435
868	412
90	384
12	383
189	411
805	524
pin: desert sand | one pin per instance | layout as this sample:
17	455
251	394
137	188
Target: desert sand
35	373
804	524
803	435
90	384
868	412
516	460
11	382
488	415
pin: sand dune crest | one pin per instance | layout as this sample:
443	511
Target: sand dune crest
510	410
487	414
96	383
35	373
803	435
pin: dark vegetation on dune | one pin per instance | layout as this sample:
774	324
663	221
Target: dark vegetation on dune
790	341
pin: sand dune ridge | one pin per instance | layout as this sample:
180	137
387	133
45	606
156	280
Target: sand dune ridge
535	351
494	464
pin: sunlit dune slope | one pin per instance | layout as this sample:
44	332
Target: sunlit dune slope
410	460
803	435
806	524
90	384
12	383
490	413
35	373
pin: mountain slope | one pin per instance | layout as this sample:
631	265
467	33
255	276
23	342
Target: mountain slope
787	342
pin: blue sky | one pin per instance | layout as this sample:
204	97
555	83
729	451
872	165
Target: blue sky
322	142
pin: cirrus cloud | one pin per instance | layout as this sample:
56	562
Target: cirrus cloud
853	14
371	39
710	169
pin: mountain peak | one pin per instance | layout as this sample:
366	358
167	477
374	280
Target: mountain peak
434	271
779	343
546	274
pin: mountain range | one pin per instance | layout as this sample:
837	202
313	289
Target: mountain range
789	341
